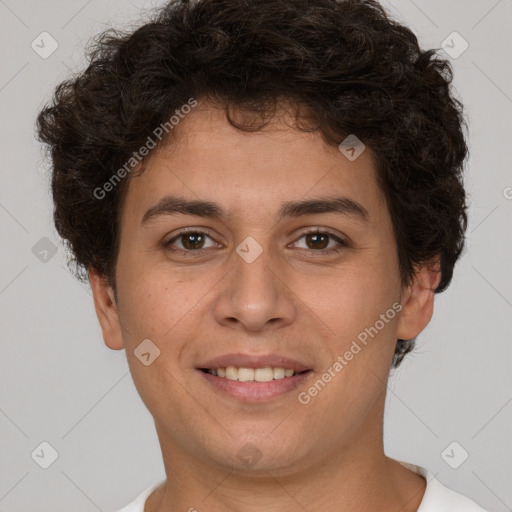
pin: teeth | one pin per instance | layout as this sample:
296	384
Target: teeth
263	374
279	373
250	374
245	374
231	373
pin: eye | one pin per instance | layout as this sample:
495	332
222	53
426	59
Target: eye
318	241
191	241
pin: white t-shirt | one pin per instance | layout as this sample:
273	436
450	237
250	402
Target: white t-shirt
437	497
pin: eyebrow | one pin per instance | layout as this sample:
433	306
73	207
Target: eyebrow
170	205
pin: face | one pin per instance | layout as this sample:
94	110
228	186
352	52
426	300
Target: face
292	264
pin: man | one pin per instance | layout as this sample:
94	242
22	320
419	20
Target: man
252	191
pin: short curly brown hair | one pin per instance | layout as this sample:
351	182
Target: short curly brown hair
354	68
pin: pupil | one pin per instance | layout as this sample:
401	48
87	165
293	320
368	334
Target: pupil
316	238
195	237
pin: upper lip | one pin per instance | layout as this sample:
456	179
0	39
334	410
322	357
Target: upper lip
241	360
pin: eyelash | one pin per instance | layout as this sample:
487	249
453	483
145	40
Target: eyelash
342	243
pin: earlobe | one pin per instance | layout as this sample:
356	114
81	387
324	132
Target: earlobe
418	301
106	310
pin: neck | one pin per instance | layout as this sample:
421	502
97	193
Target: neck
354	476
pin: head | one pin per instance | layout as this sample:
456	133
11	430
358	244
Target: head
229	120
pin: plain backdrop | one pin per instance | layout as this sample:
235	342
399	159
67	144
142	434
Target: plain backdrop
59	383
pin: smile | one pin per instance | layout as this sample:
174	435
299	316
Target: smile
252	374
254	384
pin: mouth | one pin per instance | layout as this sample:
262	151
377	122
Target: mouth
265	374
254	377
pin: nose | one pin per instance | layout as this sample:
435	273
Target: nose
255	295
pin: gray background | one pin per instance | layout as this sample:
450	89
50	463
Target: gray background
60	384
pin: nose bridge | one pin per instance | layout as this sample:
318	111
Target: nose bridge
255	293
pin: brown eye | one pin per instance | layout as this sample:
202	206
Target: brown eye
192	240
322	242
317	240
188	242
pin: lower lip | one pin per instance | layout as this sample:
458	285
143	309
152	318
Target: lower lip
256	391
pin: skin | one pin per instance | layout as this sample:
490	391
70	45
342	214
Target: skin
327	455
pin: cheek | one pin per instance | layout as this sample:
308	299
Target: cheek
159	307
355	296
356	306
158	302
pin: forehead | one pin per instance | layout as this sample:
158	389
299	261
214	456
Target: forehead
208	158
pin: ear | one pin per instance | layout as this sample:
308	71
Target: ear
418	300
106	310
